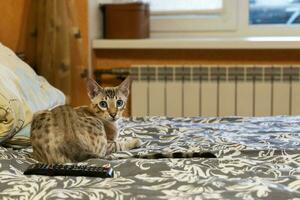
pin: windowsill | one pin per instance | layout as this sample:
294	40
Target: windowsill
200	43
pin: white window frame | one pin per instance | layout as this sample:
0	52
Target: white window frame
226	20
234	22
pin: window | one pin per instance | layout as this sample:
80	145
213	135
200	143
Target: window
224	18
192	15
269	18
274	12
230	18
184	7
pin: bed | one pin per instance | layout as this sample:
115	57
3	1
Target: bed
257	158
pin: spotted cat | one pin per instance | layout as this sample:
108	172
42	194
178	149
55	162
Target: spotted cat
65	134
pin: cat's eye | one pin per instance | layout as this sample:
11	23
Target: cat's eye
103	104
120	103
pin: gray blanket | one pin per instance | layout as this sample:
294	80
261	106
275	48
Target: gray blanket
258	158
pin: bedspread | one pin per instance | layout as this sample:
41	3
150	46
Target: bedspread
257	158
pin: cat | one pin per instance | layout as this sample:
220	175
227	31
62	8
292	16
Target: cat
66	135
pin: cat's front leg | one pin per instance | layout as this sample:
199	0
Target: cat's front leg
111	130
122	145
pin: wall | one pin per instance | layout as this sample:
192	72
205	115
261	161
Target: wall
16	33
79	92
121	58
12	35
12	25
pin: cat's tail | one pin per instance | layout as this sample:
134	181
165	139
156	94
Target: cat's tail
176	155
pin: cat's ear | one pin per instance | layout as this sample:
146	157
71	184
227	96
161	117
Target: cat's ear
124	87
93	88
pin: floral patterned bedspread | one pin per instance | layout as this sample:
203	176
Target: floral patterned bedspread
258	158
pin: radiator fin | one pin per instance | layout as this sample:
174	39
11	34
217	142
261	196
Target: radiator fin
263	101
295	98
227	98
174	99
157	98
191	98
139	99
209	98
281	98
244	104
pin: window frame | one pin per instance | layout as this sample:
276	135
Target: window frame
226	20
236	24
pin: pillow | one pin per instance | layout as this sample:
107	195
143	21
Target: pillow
22	93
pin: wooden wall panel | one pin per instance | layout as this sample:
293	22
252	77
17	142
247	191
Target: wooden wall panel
11	23
17	31
79	92
108	58
17	27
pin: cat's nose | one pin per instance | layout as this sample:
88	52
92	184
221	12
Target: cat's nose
113	115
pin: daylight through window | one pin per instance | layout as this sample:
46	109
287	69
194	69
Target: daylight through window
274	12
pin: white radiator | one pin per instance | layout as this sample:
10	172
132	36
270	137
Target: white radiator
184	91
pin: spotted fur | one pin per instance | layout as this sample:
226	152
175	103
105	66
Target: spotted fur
65	134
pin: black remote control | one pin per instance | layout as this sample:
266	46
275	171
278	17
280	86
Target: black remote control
69	170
